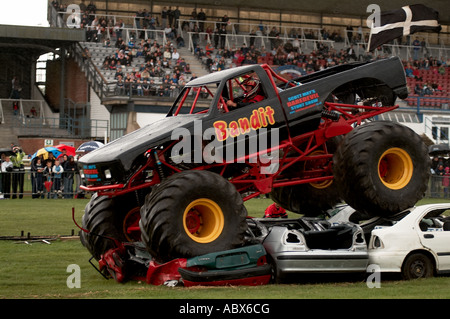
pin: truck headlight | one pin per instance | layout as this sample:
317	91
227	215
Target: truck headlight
108	174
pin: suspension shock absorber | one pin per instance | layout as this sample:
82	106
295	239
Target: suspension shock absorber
159	167
334	116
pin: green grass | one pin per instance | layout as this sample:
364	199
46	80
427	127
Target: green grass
39	270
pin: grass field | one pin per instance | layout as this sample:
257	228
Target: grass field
39	270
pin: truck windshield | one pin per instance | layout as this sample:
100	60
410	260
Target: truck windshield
194	100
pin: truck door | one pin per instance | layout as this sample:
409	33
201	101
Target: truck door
253	116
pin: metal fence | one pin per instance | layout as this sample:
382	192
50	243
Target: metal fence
18	184
21	182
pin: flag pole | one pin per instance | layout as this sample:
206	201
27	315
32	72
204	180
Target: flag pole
370	38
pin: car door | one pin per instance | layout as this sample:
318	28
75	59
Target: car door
438	241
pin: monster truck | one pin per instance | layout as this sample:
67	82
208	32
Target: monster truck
179	184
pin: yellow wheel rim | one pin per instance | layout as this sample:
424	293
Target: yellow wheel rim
323	184
395	168
203	220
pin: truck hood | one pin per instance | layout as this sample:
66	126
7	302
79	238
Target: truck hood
127	148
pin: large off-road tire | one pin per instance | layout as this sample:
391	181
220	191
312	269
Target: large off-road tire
382	168
310	199
106	219
192	213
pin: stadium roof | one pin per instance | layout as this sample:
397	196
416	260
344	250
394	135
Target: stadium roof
335	7
37	40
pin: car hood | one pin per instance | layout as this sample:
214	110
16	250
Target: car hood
127	148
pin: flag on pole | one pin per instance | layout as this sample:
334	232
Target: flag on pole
401	22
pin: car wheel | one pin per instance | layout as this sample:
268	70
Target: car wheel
417	266
276	274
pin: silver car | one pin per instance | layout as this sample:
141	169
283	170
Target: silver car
311	245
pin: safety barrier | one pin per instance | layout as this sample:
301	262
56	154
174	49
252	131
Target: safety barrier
21	182
25	183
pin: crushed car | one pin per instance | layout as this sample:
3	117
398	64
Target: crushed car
311	245
274	249
415	244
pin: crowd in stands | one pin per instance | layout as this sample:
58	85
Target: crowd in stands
160	69
163	71
280	53
432	85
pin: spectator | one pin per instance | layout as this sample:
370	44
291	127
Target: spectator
164	17
15	108
7	168
169	32
139	89
275	211
446	182
222	34
180	41
51	158
37	182
82	6
16	88
426	90
201	16
409	71
33	112
145	75
176	16
416	74
70	168
57	172
18	175
418	90
91	7
170	15
48	176
167	54
175	55
120	87
145	87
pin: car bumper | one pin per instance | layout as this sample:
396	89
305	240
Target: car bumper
254	276
321	261
386	261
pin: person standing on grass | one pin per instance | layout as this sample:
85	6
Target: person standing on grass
57	171
18	175
69	170
7	168
48	174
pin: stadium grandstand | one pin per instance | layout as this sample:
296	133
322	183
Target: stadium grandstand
102	69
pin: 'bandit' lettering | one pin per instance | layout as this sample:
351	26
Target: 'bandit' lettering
262	117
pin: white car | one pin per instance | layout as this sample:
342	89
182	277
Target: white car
415	243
